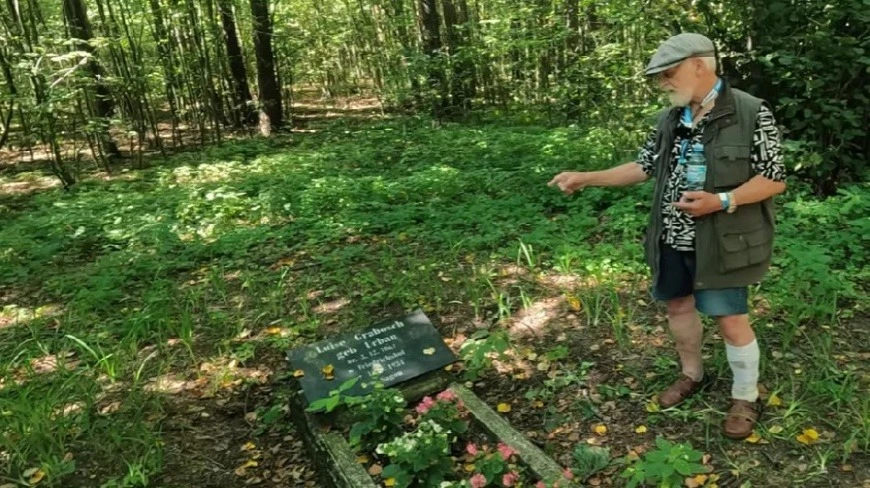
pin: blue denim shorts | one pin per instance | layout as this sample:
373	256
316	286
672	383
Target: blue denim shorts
676	276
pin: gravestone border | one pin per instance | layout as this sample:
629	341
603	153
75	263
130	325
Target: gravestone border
335	460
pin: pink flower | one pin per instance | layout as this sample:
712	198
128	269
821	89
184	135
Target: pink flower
478	481
447	396
568	474
425	405
471	449
505	450
540	484
509	479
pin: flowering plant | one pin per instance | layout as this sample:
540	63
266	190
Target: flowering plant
377	417
446	410
422	456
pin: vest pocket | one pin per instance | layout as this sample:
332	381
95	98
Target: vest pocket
732	167
739	250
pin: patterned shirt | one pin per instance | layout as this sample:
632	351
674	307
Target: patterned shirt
679	227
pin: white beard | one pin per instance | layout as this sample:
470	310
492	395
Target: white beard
678	99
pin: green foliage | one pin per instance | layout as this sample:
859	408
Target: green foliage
421	456
335	399
589	460
377	416
666	466
477	351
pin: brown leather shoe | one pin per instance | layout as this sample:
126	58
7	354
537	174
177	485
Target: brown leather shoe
741	419
681	389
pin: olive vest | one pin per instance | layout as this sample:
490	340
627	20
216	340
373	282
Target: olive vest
732	250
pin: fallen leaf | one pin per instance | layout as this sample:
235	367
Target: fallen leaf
810	436
846	468
776	429
248	446
36	477
753	438
774	401
298	373
696	481
641	429
328	371
543	365
504	407
429	351
653	406
389	482
250	463
375	469
538	404
574	303
600	429
68	457
362	459
469	467
573	437
273	330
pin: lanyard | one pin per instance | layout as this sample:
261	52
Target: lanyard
687	118
687	110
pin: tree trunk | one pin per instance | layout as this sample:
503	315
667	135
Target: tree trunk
244	110
430	31
271	116
79	27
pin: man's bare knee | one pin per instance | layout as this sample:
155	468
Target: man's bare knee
735	329
681	306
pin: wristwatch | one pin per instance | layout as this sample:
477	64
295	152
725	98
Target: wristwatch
732	205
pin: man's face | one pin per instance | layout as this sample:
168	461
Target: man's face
679	82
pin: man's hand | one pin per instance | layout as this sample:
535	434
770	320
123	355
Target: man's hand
569	181
698	203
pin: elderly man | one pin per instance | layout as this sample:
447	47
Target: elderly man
705	247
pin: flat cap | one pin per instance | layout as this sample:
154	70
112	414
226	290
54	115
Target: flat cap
677	48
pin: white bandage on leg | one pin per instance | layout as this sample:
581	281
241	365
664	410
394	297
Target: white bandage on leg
744	365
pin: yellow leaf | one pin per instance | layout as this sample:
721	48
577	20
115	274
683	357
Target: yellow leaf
753	438
538	404
248	446
429	351
250	463
653	406
574	303
776	429
810	436
774	401
469	467
328	371
362	459
298	373
641	429
600	429
389	482
273	330
700	479
36	477
504	407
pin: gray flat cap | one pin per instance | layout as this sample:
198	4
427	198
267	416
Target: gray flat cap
677	48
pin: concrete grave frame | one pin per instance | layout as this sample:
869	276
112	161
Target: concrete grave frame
336	461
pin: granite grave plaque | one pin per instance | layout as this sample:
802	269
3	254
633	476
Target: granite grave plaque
395	350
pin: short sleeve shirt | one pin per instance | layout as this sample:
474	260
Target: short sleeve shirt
766	156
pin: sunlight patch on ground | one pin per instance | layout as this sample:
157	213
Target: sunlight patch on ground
31	185
12	315
533	319
332	306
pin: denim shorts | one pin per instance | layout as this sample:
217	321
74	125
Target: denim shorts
676	277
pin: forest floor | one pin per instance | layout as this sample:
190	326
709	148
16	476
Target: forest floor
145	315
